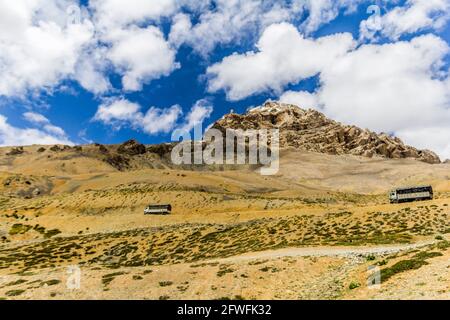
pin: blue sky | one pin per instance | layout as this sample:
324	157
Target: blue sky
106	70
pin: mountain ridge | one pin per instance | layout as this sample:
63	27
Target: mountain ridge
311	130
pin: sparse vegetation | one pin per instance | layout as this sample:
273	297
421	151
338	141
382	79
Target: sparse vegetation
353	285
218	214
415	262
14	293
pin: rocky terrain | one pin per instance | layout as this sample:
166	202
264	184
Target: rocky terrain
309	232
310	130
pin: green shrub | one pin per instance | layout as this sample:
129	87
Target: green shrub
14	293
165	283
353	285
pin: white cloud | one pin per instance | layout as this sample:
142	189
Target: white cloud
141	55
117	111
284	56
35	118
120	112
112	13
324	11
39	47
44	42
235	21
160	120
44	124
13	136
90	70
414	16
303	99
201	111
229	21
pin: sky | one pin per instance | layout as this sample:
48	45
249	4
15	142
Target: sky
76	72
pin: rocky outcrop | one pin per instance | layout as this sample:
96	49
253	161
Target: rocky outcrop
132	148
15	151
102	148
119	162
161	149
312	131
57	148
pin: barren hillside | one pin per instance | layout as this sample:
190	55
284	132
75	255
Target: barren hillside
233	233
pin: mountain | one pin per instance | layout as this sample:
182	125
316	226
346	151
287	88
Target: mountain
310	130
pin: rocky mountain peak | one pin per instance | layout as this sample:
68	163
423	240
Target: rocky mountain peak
311	130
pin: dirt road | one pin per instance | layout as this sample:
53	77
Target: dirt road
345	252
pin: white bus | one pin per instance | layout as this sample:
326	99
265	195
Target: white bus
162	209
411	194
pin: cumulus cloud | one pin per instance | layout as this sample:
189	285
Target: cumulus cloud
234	21
111	13
201	111
39	46
141	55
44	124
44	42
160	120
229	21
117	111
324	11
14	136
303	99
414	16
284	56
120	112
35	118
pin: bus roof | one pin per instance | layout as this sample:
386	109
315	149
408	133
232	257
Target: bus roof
417	187
159	206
